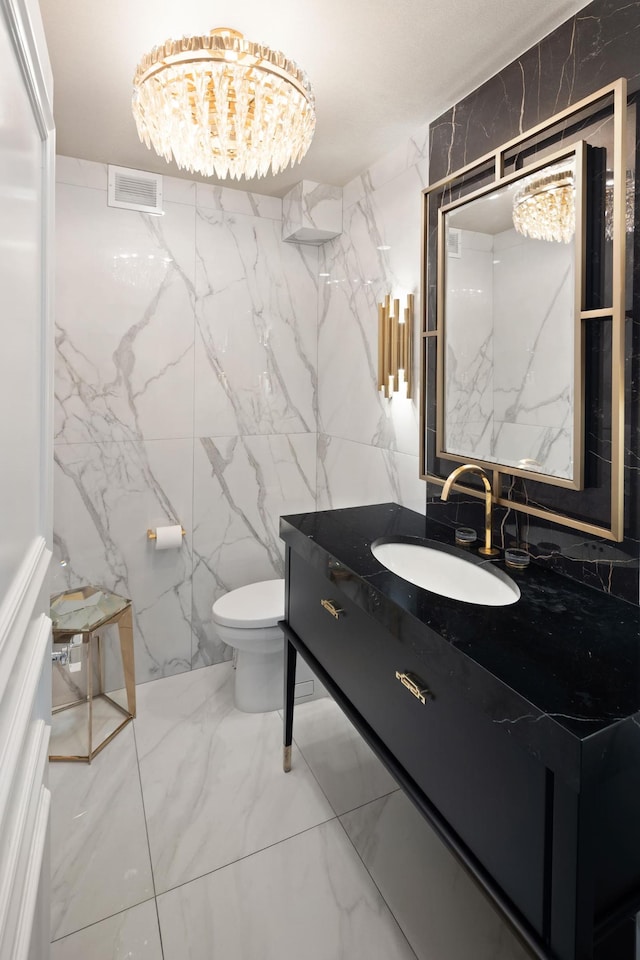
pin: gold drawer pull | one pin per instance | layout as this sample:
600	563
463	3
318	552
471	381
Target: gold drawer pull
414	685
330	606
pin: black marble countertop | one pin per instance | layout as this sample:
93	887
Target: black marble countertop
559	670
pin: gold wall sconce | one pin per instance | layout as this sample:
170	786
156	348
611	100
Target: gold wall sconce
395	346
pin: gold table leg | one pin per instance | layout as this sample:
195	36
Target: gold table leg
125	630
90	692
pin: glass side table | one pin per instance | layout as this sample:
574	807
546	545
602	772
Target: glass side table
80	618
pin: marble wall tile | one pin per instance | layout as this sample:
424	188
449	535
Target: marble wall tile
411	153
242	485
354	191
81	173
124	320
99	853
125	384
351	474
591	49
470	438
203	326
312	212
588	51
255	357
401	158
106	496
377	254
88	173
534	332
509	351
178	190
226	200
469	346
309	896
549	446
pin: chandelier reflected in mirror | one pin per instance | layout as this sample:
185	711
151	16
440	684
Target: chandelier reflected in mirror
544	207
220	104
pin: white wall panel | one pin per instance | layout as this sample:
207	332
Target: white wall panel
26	210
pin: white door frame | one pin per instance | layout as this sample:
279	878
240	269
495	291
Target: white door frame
25	628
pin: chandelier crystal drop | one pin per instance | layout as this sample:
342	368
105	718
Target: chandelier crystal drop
544	207
222	105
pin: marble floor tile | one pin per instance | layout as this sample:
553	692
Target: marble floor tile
130	935
212	777
306	897
99	853
70	728
344	765
443	913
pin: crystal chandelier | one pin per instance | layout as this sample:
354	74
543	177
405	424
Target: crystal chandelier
223	105
544	207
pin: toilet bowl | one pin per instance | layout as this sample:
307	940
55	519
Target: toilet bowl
246	620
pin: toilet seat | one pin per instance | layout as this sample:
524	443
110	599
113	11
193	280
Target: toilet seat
251	607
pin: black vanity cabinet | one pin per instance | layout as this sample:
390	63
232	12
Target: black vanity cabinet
542	805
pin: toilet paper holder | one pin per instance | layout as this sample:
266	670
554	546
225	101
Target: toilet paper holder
152	535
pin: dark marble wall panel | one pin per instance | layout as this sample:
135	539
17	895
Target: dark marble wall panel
598	45
592	49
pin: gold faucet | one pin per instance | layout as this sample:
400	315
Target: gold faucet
487	550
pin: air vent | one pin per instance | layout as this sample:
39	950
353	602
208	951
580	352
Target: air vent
454	238
135	190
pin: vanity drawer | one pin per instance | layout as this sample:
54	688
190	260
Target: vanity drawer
490	792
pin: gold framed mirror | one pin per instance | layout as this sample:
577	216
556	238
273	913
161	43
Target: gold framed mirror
510	334
525	298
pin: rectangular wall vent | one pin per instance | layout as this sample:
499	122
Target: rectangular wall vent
454	238
135	190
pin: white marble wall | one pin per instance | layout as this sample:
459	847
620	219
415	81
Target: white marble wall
211	375
312	212
367	445
469	346
534	284
509	351
186	392
242	485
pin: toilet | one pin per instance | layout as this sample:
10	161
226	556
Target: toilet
246	619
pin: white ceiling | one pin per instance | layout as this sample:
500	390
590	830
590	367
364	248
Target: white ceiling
379	69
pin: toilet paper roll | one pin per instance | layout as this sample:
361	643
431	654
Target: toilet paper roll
167	538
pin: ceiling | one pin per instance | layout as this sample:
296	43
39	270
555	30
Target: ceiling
380	70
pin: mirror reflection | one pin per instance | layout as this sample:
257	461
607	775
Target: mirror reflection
509	316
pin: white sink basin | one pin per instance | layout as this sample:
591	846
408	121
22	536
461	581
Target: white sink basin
450	574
